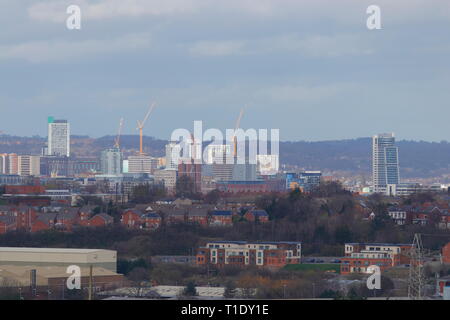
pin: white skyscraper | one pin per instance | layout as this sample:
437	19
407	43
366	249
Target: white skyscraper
173	151
385	165
219	153
268	164
58	137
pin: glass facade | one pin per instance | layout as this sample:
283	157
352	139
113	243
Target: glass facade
385	164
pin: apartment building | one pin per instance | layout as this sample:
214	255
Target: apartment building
241	253
360	256
29	165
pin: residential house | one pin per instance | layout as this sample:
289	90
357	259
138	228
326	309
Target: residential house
7	223
256	215
221	218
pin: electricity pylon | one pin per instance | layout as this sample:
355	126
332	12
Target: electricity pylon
416	281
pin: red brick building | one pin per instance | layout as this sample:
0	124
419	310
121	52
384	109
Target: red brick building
241	253
221	218
446	253
133	218
25	216
25	189
244	187
100	220
193	170
7	223
256	215
360	256
197	215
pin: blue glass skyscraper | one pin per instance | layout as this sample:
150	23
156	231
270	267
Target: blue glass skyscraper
385	166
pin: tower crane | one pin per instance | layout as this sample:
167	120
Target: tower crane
140	127
119	133
238	123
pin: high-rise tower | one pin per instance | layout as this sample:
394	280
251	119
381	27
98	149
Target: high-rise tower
385	167
58	137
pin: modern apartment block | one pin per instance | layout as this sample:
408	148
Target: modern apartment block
58	137
142	164
173	151
241	253
9	163
168	177
385	164
29	165
219	154
360	256
111	162
268	164
304	180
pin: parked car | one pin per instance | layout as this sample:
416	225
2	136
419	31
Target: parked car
319	261
335	261
311	260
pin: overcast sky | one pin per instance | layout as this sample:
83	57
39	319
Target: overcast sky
309	68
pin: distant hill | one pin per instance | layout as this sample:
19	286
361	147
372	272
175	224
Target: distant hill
417	158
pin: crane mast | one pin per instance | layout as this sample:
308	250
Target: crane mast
238	123
119	133
140	127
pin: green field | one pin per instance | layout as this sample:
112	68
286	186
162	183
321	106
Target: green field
313	266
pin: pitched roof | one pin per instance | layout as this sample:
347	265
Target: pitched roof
135	211
151	215
222	213
105	217
259	213
197	211
47	217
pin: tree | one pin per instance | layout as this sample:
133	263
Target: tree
139	277
190	290
212	197
330	294
230	290
8	289
353	294
419	198
343	234
146	193
329	189
185	187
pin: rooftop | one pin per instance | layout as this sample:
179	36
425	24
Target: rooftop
48	250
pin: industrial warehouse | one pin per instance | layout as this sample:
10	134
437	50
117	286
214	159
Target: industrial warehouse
44	271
